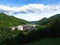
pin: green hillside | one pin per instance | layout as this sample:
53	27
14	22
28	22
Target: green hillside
46	33
50	20
6	20
42	21
49	35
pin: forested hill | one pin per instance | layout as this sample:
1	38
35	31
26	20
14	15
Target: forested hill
50	20
6	20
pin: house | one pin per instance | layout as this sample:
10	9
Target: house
20	27
27	27
14	28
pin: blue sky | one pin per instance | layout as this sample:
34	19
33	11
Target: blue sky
25	2
30	10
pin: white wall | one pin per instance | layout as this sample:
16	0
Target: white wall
20	27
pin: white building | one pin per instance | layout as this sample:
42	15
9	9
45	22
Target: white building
14	28
24	27
20	27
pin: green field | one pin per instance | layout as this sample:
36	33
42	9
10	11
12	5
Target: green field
46	41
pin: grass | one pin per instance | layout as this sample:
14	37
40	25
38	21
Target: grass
46	41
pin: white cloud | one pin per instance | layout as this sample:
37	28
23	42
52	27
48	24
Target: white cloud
31	12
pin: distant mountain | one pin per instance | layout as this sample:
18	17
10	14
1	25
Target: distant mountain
6	20
33	22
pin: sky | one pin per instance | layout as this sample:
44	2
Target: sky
30	10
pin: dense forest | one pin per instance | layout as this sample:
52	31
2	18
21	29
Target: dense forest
46	28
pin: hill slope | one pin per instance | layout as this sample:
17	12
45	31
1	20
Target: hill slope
50	20
6	20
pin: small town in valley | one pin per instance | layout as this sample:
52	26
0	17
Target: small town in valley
24	27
